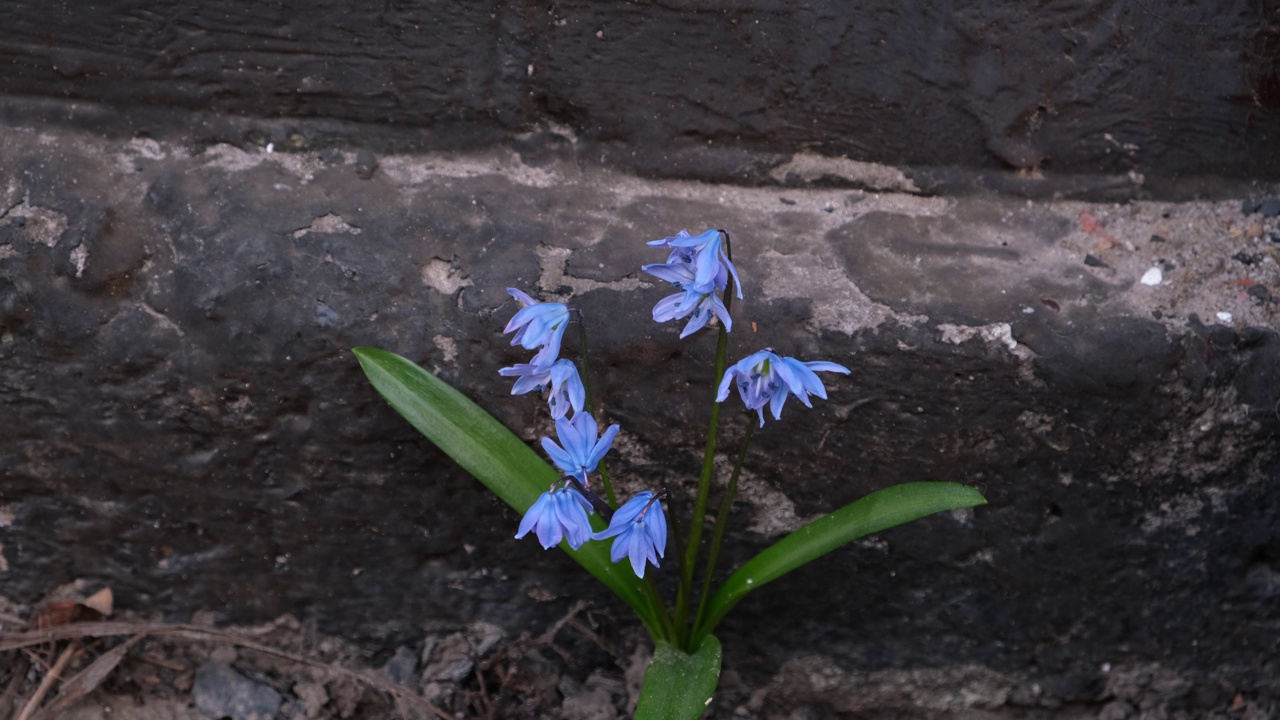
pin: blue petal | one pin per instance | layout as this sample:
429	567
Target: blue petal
722	312
670	272
737	283
561	458
574	518
775	405
522	296
570	434
637	549
656	527
588	431
666	308
725	383
786	370
533	514
549	530
602	446
696	323
669	242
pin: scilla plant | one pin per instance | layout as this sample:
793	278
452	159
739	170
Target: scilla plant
573	505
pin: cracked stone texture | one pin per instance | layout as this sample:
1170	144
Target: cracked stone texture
184	420
1128	95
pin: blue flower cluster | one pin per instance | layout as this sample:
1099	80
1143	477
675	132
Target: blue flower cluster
540	326
699	268
563	512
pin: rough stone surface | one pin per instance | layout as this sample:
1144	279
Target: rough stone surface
1124	91
186	424
221	692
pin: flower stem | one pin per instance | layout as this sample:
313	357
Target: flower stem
591	403
698	519
722	524
600	506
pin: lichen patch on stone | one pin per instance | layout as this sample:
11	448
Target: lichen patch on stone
443	276
328	224
446	345
838	304
40	225
998	334
809	168
554	275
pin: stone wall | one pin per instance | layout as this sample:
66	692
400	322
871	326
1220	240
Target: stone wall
1120	97
187	424
202	211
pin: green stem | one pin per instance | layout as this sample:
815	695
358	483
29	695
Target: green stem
660	608
677	537
591	404
685	591
722	524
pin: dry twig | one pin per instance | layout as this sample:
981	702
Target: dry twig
46	683
14	641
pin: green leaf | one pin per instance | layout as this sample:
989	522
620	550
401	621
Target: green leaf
878	511
494	456
679	686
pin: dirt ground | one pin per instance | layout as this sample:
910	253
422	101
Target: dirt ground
128	669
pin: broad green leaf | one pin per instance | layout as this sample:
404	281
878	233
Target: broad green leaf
679	686
878	511
494	456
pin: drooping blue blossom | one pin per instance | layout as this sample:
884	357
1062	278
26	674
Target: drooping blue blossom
561	379
538	325
690	301
763	378
705	252
699	268
579	451
560	513
641	531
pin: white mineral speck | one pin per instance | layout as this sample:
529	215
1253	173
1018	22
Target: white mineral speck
1224	316
1152	276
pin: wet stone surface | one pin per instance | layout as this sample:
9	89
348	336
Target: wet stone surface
186	422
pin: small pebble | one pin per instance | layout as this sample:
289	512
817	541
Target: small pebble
1158	238
1269	207
1224	317
1093	261
1152	277
1246	258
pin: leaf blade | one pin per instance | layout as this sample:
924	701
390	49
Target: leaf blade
677	685
877	511
492	454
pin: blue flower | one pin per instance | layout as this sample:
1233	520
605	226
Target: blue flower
641	531
538	325
766	379
578	451
705	252
566	388
700	305
559	513
701	300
